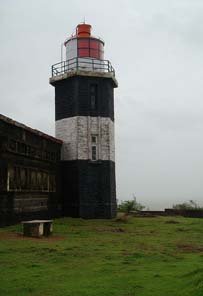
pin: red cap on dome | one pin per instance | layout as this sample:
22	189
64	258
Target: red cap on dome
83	30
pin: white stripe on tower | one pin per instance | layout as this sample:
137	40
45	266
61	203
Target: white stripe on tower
76	133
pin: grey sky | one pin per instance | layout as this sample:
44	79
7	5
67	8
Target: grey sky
156	48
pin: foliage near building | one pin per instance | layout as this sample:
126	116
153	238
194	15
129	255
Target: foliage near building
128	206
189	205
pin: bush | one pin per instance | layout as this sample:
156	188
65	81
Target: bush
128	206
190	205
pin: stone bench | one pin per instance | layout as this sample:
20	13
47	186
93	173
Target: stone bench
37	228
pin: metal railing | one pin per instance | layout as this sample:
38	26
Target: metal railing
83	64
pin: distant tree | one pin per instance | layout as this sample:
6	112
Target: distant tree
189	205
130	205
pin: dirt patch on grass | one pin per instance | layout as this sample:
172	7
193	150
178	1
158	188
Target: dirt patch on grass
105	229
182	229
118	230
190	248
122	218
172	222
19	236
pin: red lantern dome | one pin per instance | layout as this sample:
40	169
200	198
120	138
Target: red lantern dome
84	45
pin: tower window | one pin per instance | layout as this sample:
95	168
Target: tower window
94	153
93	97
94	139
94	148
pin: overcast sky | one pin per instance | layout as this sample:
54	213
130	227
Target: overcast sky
156	48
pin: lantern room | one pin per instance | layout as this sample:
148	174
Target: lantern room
84	52
84	45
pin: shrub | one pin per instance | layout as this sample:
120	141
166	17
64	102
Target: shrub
190	205
128	206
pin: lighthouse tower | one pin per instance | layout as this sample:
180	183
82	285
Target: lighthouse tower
84	113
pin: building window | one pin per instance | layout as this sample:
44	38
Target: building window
30	179
93	97
94	148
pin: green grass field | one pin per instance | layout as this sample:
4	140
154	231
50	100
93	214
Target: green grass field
160	256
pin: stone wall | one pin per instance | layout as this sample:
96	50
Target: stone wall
194	213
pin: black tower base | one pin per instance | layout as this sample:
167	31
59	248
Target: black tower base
88	189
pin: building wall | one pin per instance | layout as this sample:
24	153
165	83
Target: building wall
29	173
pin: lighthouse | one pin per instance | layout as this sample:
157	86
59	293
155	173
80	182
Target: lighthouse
84	120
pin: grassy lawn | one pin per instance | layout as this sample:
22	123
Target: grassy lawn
160	256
